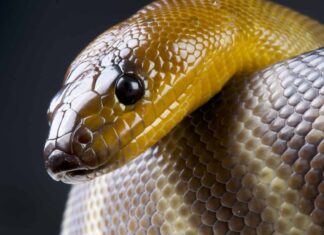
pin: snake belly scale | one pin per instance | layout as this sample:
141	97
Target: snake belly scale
137	116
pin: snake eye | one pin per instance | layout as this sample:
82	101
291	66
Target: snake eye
129	89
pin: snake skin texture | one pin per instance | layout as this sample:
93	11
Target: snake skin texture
250	161
184	51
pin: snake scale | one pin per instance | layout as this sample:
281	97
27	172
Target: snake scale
167	126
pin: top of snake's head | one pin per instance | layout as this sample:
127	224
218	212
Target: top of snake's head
124	92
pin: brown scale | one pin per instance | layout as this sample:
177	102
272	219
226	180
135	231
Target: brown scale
250	161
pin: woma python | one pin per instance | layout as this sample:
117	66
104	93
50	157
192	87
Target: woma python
145	116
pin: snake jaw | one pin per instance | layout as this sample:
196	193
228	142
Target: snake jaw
71	169
75	157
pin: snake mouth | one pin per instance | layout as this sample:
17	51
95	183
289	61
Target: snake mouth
81	175
69	169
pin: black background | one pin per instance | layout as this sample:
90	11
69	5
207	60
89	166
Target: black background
38	39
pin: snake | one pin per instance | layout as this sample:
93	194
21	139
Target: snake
194	117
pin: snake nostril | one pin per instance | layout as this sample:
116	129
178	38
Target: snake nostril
85	137
59	161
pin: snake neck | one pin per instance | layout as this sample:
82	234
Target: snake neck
197	46
245	38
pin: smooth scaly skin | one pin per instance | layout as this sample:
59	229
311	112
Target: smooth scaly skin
250	161
185	51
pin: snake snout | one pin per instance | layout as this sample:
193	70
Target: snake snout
73	158
59	162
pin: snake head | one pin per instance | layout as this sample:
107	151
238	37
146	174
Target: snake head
94	119
130	86
116	101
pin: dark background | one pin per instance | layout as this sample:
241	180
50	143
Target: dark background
38	40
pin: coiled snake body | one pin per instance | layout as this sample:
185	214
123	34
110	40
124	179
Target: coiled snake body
136	117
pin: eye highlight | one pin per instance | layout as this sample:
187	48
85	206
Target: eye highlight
129	89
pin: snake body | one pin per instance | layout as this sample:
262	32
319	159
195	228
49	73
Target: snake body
249	160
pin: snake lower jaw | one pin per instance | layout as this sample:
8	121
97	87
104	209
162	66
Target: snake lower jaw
80	175
71	170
